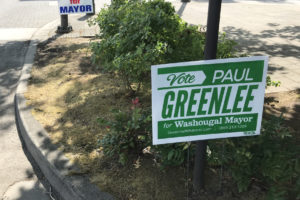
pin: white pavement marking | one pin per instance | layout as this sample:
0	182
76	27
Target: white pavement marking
16	33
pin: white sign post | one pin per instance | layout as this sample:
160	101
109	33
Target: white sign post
208	99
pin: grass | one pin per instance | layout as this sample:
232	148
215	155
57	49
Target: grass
67	96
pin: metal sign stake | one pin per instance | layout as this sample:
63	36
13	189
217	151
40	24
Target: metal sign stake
64	27
213	20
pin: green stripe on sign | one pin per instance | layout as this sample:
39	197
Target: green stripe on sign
207	125
234	72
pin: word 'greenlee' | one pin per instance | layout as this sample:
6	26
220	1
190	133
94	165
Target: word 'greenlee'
175	101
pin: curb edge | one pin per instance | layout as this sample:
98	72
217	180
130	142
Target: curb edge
51	161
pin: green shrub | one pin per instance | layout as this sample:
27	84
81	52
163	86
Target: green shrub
128	132
270	160
172	154
226	47
136	34
270	82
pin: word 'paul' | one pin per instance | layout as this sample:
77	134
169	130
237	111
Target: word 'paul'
236	75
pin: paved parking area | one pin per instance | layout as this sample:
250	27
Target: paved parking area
269	27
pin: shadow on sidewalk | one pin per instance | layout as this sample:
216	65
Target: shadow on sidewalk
12	57
181	9
30	189
265	43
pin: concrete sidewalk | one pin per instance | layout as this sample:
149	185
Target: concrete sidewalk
79	23
269	27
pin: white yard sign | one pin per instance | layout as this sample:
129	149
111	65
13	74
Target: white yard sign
208	99
75	6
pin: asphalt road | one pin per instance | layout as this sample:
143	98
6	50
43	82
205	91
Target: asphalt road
18	21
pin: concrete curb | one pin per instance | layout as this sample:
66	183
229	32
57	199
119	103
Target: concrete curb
54	166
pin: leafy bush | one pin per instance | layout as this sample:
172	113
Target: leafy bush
172	154
270	160
129	131
226	47
270	82
136	34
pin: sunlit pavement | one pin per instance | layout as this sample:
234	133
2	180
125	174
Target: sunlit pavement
18	21
261	27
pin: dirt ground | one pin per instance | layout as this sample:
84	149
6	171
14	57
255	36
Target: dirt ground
286	104
68	94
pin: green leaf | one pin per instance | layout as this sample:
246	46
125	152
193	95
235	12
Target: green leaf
186	146
170	154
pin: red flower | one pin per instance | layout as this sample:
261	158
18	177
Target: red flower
135	101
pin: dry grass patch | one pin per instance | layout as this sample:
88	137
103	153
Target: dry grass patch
68	95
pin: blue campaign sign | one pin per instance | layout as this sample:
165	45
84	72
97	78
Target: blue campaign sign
75	6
